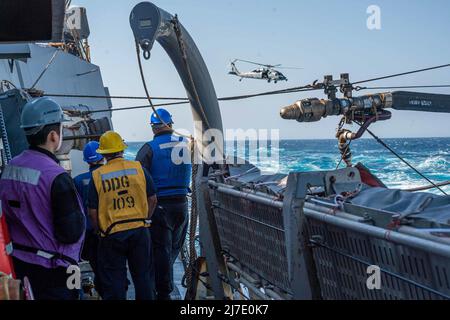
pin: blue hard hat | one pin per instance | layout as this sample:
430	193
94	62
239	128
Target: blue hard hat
90	154
163	114
39	113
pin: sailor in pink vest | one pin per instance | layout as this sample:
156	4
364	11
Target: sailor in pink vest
43	211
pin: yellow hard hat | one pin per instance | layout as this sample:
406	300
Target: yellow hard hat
111	142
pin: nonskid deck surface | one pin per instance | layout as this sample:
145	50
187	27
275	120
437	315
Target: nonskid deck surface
177	294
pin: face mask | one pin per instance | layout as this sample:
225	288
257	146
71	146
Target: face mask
60	138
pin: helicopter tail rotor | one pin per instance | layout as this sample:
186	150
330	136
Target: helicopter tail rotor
234	69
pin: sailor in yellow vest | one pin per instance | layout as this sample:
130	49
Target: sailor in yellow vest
122	198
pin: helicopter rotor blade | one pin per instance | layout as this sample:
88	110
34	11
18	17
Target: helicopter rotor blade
256	63
290	68
270	66
418	101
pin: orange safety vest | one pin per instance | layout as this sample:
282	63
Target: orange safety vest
6	265
122	196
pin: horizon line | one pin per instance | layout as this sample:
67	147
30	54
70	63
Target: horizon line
317	139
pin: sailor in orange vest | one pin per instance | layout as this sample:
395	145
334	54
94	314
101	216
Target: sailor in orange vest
121	201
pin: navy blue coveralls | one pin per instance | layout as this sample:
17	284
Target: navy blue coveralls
170	220
130	245
89	252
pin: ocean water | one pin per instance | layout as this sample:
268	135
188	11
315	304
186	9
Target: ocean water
431	156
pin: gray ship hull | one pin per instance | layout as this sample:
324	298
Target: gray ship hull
67	74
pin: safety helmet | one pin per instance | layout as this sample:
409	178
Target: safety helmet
111	142
39	113
90	154
164	115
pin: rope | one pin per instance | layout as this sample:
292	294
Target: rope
403	160
194	212
144	83
189	272
348	145
204	274
403	74
181	45
194	209
343	154
45	69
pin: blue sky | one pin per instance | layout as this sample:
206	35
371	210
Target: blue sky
323	37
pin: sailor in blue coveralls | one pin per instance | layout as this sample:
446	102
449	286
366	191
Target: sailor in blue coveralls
172	180
82	181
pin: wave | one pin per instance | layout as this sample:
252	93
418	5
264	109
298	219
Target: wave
430	156
434	163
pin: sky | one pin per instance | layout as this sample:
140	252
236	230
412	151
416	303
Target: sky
322	37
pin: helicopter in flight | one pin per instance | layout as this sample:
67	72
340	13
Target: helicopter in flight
265	72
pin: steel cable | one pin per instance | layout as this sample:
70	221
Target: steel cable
45	69
403	74
403	87
403	160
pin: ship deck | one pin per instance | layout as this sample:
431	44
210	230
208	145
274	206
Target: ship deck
178	272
